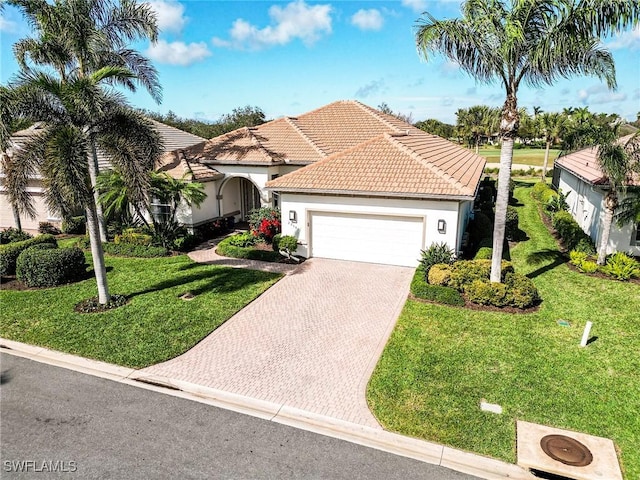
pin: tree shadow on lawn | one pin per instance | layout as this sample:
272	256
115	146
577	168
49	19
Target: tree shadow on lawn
556	258
219	280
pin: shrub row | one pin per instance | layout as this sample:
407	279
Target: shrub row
74	225
48	228
11	235
471	277
9	253
125	249
243	240
571	234
511	223
226	249
434	293
39	266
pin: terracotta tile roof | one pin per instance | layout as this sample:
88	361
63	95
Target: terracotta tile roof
300	140
414	165
584	164
345	124
172	138
177	165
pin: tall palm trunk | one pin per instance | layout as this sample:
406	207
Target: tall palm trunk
16	217
97	253
546	162
94	171
508	129
610	205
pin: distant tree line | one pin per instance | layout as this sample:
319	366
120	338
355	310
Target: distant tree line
570	129
247	116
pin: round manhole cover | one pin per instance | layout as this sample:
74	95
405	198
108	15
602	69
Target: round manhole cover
566	450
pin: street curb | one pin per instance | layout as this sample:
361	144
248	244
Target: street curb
379	439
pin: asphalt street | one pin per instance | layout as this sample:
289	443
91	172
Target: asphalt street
56	423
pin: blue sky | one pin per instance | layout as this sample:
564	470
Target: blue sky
289	57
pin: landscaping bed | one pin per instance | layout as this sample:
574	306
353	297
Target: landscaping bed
441	361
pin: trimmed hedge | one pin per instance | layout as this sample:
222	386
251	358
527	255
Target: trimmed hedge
511	223
137	251
439	274
125	249
243	240
9	253
38	267
484	253
571	233
226	249
466	271
285	242
434	293
74	225
471	277
11	235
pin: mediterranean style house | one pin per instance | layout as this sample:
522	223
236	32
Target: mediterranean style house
352	182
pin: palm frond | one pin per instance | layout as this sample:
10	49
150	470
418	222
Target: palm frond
20	169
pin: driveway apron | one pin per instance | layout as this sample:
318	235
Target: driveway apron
311	341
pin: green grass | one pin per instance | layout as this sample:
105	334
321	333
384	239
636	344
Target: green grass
154	326
527	156
441	361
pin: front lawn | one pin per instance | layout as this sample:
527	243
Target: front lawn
154	326
441	361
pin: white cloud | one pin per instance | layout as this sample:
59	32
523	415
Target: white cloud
372	88
417	6
7	25
178	53
629	39
598	94
368	19
296	20
170	15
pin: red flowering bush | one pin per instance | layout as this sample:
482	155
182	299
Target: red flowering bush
265	223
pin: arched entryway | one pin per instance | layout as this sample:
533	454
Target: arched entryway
239	196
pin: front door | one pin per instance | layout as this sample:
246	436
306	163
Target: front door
250	198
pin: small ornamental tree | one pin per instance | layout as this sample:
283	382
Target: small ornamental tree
265	223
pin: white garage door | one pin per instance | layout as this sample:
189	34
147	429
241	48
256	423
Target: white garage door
392	240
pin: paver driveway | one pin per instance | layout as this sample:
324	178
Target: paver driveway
311	341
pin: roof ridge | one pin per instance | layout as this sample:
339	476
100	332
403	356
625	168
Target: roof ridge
430	166
377	115
254	139
297	128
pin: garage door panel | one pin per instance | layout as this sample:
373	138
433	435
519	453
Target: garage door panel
394	240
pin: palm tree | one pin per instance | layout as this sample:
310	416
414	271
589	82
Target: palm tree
476	122
617	161
6	114
551	125
82	36
536	42
77	111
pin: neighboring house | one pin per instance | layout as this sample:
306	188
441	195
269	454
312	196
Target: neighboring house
172	138
578	175
352	183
